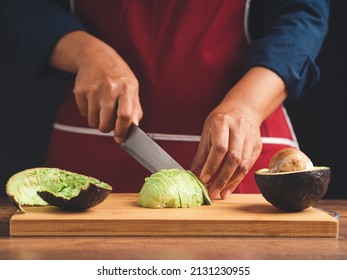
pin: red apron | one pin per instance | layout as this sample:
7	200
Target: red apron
186	56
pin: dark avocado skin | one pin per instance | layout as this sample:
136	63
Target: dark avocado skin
294	191
87	198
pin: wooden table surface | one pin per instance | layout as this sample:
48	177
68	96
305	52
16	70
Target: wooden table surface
176	248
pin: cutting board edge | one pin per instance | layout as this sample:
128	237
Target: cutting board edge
142	228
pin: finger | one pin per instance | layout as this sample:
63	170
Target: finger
107	117
138	113
251	152
93	114
230	163
230	188
81	101
124	118
201	155
217	152
93	106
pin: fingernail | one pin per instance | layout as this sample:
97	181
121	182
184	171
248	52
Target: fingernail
206	179
118	140
215	193
226	193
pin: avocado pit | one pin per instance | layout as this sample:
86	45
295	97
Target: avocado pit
289	159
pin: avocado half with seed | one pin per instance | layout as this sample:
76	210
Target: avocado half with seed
293	191
292	183
52	186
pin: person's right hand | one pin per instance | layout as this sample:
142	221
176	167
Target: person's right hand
106	90
107	93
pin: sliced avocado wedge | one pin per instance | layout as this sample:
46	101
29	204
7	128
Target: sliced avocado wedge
52	186
207	199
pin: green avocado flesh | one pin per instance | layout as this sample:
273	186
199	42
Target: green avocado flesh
293	191
43	186
172	188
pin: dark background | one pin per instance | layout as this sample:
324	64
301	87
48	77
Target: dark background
27	110
320	117
28	107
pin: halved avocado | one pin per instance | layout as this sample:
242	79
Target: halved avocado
65	189
295	190
173	188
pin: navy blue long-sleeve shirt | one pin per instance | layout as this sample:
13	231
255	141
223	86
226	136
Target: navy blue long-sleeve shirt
284	35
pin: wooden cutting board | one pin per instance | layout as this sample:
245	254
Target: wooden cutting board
119	215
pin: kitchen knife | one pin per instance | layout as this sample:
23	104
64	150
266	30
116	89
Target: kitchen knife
147	152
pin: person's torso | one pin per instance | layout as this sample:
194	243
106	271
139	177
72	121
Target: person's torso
185	54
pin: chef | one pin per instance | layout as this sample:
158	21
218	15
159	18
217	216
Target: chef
205	79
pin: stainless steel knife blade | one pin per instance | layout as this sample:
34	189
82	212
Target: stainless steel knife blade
147	152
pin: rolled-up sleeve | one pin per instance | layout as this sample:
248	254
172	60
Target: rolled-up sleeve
36	26
290	41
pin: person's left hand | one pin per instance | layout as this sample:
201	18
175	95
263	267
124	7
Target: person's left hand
230	144
231	141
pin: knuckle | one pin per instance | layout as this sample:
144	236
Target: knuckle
77	87
108	85
244	168
127	85
80	92
220	117
93	87
215	121
221	148
233	157
124	115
